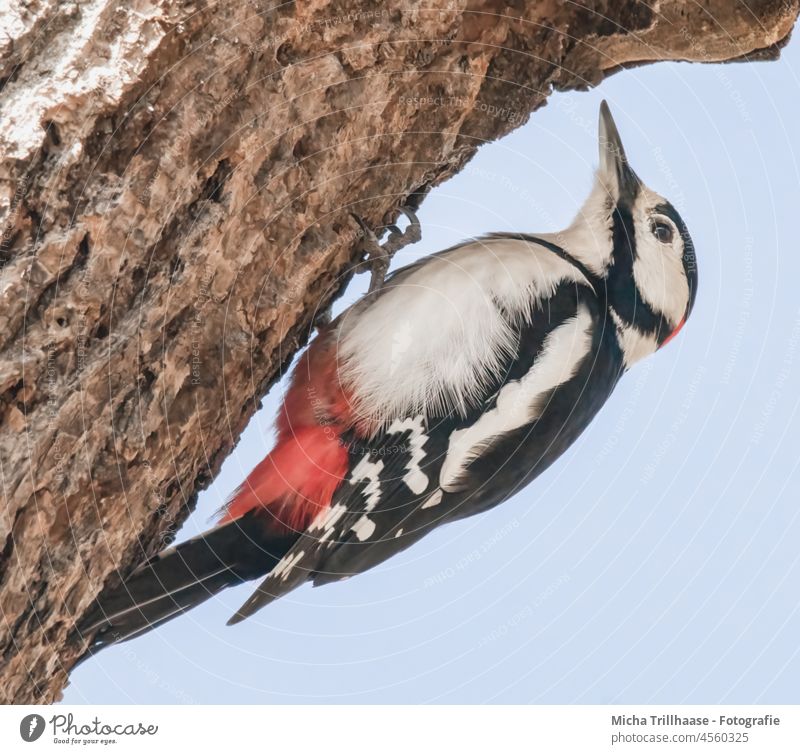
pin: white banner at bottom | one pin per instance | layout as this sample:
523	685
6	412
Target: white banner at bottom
390	729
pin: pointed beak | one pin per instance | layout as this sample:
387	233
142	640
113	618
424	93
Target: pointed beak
615	172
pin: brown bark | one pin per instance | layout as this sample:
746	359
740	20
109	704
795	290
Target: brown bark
174	187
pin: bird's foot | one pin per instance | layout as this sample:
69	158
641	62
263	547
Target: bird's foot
380	255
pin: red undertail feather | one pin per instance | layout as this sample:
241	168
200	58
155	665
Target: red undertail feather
295	481
309	461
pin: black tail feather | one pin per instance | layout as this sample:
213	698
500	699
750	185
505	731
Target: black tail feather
183	577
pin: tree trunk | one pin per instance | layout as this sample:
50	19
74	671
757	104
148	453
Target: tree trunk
175	185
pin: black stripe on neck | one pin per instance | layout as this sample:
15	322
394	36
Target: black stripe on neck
596	282
623	295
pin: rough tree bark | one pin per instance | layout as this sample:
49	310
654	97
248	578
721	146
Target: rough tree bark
175	184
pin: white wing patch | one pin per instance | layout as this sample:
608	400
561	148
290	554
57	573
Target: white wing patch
519	402
440	325
284	568
364	528
371	471
433	500
326	521
416	480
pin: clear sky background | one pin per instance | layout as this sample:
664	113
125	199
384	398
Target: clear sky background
659	559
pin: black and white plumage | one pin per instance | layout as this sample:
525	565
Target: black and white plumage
442	394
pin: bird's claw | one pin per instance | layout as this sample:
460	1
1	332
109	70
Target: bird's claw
399	239
380	255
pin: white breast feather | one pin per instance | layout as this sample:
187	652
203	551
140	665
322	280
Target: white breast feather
432	341
522	401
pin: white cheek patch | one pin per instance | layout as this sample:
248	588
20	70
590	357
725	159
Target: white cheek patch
658	268
661	280
521	401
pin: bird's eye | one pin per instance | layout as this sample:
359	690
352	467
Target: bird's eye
662	231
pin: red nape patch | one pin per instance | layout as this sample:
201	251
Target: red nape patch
295	481
677	329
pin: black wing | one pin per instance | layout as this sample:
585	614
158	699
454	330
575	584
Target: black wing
396	492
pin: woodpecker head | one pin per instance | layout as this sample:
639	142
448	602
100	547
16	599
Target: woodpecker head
635	241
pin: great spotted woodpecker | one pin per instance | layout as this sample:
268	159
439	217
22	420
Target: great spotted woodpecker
437	396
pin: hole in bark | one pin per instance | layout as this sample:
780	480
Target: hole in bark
285	54
8	547
176	266
29	615
13	74
137	278
146	378
83	251
300	149
51	129
214	185
173	327
262	174
52	633
102	331
36	219
14	390
202	479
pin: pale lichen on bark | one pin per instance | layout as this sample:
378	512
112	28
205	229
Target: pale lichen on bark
175	188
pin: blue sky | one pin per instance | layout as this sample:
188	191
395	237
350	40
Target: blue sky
658	560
